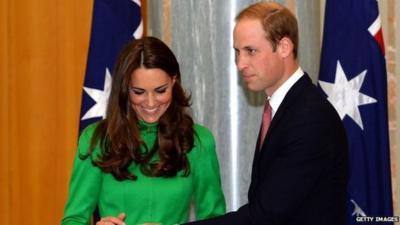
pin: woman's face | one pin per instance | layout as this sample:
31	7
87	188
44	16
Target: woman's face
150	93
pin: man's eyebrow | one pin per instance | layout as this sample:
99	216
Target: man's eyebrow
248	47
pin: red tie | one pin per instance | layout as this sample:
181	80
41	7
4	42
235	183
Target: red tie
266	121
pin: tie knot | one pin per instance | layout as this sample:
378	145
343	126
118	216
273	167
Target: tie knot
267	112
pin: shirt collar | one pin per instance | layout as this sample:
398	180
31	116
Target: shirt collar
277	97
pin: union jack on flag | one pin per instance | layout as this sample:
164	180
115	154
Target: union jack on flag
353	76
114	23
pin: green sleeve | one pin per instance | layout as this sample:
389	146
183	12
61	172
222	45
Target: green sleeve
84	185
209	198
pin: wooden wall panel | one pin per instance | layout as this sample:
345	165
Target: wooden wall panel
390	23
43	49
4	153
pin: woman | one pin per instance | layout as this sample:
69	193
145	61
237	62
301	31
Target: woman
147	160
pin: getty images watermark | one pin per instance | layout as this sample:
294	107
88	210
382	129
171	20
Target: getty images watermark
377	219
361	217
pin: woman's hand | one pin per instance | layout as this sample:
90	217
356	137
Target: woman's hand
111	220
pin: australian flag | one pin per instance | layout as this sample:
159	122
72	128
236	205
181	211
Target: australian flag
353	77
114	23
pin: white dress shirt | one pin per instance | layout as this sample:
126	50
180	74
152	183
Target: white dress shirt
277	97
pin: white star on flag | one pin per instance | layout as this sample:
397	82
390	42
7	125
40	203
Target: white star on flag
139	30
100	97
345	95
357	209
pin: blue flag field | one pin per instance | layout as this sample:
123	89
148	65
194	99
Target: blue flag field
114	23
353	77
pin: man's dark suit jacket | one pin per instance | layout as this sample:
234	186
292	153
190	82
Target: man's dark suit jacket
299	175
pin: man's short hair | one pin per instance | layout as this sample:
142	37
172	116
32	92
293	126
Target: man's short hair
277	21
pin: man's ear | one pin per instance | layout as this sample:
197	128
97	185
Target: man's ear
285	47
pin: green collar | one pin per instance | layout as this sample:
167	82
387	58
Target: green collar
149	127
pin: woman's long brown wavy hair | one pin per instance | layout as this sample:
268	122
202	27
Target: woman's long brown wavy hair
118	134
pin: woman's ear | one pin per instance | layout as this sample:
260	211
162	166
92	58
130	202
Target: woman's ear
173	79
285	47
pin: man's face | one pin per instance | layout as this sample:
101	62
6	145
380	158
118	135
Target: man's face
261	67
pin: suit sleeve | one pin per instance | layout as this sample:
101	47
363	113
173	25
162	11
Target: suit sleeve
84	185
208	196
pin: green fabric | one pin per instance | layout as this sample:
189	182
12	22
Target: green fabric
148	199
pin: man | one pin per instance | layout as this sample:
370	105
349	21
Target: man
299	173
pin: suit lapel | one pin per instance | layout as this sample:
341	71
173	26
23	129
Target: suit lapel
267	152
291	96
